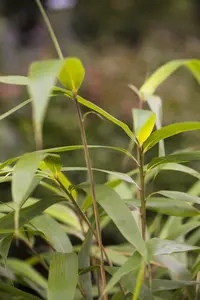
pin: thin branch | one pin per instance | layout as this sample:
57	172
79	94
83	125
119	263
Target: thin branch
50	29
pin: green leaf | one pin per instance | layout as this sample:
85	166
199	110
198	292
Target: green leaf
166	70
129	282
139	282
63	276
167	206
66	183
5	246
121	176
17	80
133	263
158	246
144	121
42	77
72	74
179	157
64	214
14	292
26	214
167	285
80	147
169	131
179	168
100	111
179	196
53	232
52	163
14	109
84	262
24	172
117	210
176	269
183	229
155	105
23	269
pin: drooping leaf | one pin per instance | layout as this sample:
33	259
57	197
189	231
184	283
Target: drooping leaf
119	175
13	292
65	215
117	210
84	262
17	80
144	121
179	168
63	276
80	147
23	269
168	131
166	70
158	246
174	158
167	285
179	196
53	232
72	74
167	206
26	214
42	77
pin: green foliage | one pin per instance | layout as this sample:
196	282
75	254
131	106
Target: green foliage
157	258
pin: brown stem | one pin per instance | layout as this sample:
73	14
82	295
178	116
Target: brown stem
91	179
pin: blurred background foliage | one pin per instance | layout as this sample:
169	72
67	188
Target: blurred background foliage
119	42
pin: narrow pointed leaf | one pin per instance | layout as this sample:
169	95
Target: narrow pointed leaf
166	70
133	263
144	121
179	157
80	147
180	196
169	131
15	293
117	210
26	214
158	246
167	285
122	176
84	262
17	80
5	246
167	206
53	232
100	111
23	175
23	269
42	77
63	276
155	105
72	74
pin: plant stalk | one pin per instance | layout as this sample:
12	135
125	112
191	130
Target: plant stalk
142	192
91	179
86	153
